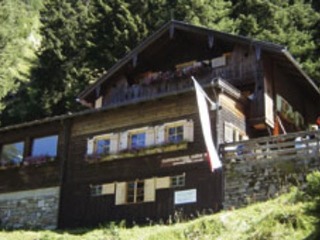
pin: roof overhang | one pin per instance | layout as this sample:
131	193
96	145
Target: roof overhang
167	31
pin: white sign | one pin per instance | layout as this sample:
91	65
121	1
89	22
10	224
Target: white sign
185	196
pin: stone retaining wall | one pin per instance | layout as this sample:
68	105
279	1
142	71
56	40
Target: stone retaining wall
258	180
30	209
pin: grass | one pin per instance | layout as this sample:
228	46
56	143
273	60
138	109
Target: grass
287	217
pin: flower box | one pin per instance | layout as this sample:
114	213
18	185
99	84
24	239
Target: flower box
37	160
130	153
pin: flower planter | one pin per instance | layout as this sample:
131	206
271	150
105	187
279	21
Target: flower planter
137	152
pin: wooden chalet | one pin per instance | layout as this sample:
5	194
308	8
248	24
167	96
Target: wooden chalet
138	154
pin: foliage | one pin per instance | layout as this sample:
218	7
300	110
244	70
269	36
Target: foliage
18	41
290	23
80	40
313	186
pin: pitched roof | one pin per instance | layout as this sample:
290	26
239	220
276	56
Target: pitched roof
182	26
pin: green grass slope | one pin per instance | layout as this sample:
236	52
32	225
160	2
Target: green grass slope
292	216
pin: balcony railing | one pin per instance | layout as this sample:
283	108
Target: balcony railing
304	145
173	82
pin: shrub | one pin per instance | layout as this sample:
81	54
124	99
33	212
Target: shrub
313	184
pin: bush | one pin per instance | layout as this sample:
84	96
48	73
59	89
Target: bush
313	184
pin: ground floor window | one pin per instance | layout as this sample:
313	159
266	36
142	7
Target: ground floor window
178	181
12	154
135	191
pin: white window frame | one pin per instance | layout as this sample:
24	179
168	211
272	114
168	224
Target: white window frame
137	192
95	190
113	145
178	180
187	134
237	133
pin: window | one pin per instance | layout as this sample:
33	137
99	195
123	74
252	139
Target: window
102	146
137	140
233	133
45	146
102	189
175	134
178	181
12	154
135	191
95	190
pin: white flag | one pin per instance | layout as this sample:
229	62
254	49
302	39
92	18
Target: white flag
206	126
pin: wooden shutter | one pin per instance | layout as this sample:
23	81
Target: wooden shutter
228	132
114	143
188	131
98	103
90	146
163	182
124	140
160	133
149	190
108	188
121	189
150	136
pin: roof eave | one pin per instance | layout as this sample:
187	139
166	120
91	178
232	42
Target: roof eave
298	67
182	26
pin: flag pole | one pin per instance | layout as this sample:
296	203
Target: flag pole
213	104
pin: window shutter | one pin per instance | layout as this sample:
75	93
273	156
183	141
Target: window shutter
160	131
108	188
114	143
228	133
279	103
123	140
90	145
121	193
163	182
150	136
98	102
149	190
188	131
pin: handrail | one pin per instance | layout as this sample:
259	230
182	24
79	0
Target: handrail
174	83
292	145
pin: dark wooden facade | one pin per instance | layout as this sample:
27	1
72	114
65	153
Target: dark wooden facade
34	176
81	174
149	90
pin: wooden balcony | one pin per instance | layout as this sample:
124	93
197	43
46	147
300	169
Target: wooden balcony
305	145
174	82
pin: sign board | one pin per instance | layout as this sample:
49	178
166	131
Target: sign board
185	196
170	162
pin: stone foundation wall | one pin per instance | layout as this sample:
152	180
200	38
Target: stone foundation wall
30	209
258	180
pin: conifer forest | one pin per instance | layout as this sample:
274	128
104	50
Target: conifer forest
50	50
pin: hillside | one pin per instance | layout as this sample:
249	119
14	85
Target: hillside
287	217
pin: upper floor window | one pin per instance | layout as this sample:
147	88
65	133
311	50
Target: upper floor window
233	133
137	140
103	144
175	134
45	146
12	154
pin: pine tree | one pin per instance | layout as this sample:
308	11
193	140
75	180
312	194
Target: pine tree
80	39
288	22
18	42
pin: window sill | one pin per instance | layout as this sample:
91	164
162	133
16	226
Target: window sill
139	152
25	163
